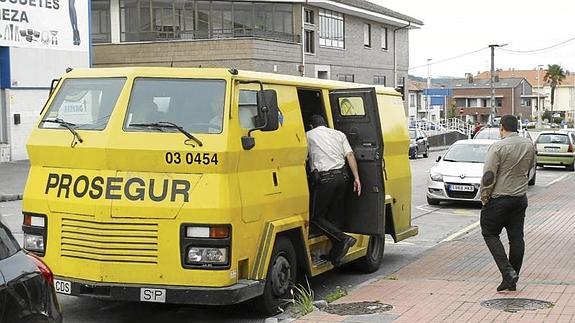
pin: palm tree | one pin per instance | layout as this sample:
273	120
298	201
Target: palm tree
554	76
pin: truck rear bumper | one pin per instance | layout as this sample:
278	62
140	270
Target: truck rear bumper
237	293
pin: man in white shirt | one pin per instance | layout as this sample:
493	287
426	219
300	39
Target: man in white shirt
328	150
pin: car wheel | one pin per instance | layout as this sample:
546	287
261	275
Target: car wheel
540	165
571	167
372	260
431	201
426	154
280	278
532	181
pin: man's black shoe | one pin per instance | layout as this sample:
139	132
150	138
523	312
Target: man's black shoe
347	243
509	282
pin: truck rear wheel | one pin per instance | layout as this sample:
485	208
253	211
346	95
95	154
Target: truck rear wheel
372	260
280	278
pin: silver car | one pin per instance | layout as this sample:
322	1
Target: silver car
457	175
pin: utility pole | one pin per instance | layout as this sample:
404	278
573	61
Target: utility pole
428	107
538	100
493	112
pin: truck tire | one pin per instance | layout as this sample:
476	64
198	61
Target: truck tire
372	260
280	278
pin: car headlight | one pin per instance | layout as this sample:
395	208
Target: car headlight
207	256
435	176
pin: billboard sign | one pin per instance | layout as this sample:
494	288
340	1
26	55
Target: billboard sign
46	24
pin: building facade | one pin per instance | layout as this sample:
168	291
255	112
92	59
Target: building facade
473	98
348	40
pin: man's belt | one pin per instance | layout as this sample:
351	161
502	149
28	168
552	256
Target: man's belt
332	173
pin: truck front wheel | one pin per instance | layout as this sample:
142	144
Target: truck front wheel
280	278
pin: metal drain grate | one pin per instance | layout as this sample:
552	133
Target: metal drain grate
359	308
516	304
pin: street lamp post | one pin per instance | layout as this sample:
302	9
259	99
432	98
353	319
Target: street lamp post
493	113
538	100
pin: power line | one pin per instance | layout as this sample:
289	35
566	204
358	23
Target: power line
448	59
532	51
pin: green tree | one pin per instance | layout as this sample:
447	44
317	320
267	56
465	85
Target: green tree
554	76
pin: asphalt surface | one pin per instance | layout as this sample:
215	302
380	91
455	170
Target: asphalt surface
436	224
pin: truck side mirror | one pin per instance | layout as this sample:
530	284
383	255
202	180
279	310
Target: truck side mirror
267	118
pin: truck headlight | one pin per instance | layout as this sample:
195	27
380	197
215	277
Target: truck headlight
35	231
207	256
34	242
436	177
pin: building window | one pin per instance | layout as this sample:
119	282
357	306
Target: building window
101	21
142	20
345	77
380	80
461	103
367	35
412	100
331	29
499	102
309	42
384	38
309	17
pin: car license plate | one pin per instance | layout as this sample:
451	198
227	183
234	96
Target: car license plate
462	188
552	149
63	286
155	295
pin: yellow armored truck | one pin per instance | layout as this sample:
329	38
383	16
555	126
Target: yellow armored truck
190	185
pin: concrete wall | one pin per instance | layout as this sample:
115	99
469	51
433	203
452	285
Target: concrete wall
445	139
243	53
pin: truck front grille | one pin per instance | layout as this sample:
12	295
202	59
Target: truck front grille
120	242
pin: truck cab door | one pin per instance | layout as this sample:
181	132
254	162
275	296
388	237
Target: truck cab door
355	113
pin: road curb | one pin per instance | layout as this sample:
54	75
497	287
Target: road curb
10	197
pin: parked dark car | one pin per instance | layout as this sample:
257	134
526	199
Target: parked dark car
27	291
418	144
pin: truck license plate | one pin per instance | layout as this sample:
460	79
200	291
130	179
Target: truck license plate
63	286
153	295
462	188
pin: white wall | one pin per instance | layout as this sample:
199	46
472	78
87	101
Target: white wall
27	103
32	67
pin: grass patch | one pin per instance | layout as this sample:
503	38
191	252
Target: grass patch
303	299
335	294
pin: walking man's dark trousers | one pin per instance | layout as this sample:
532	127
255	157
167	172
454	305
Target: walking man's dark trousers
505	212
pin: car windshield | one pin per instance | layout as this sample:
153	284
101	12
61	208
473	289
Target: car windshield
488	133
196	105
8	246
547	138
85	103
467	153
411	134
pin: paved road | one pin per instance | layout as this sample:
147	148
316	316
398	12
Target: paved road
436	223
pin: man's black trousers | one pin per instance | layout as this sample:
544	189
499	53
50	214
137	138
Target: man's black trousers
327	205
505	212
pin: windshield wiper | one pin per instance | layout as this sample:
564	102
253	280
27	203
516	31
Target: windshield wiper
67	125
170	125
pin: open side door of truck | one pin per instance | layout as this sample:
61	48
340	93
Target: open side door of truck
355	113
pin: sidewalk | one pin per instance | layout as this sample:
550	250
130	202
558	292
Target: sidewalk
450	282
13	177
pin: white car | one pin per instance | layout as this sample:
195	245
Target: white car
457	175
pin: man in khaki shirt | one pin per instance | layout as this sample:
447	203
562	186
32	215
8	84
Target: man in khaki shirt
503	188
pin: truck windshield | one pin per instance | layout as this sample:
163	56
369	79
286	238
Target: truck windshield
196	105
85	103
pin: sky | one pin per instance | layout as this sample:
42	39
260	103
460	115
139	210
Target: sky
456	27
